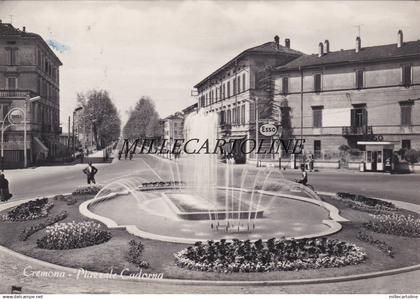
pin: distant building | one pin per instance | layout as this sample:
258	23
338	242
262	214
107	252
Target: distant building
231	90
29	68
355	98
173	128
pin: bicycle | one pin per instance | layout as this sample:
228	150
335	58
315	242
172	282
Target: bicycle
306	185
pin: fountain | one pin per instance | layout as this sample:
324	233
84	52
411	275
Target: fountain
198	198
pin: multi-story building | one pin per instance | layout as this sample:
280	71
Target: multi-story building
173	128
366	98
231	90
28	68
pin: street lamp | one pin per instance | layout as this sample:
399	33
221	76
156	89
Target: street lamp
72	137
11	123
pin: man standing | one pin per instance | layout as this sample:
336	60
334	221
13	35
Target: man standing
4	188
90	172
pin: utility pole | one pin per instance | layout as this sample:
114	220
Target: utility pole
68	139
301	109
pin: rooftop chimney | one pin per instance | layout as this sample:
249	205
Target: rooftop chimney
287	42
277	41
358	44
327	46
321	49
400	39
24	29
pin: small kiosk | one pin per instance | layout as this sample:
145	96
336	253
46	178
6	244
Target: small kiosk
377	156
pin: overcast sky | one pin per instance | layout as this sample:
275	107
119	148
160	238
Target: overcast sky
161	49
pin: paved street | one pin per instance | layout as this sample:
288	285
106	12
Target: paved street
59	179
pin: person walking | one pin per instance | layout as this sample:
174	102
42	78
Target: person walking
90	172
4	188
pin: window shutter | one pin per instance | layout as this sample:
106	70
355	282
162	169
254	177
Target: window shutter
353	118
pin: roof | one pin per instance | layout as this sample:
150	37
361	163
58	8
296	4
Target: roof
7	30
270	48
190	108
375	53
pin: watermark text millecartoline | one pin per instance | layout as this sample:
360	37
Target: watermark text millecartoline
218	146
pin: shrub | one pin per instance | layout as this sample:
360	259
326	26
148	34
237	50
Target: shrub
73	235
30	210
395	224
87	190
272	255
411	156
135	254
27	232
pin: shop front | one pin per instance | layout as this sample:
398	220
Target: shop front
377	156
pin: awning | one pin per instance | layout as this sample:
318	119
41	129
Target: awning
39	146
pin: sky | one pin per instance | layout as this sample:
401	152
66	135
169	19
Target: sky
162	49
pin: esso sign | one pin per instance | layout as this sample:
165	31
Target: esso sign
268	130
16	117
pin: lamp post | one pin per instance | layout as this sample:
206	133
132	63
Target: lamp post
72	134
11	123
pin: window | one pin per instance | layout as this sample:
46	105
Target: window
239	84
285	87
406	108
228	117
11	56
317	149
224	91
359	79
222	117
243	114
406	144
317	116
4	109
11	83
243	82
228	89
317	83
359	116
406	75
234	86
252	112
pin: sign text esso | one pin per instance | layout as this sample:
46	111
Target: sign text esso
16	117
268	130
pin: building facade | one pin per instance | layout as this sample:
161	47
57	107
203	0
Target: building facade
173	128
29	68
348	99
231	90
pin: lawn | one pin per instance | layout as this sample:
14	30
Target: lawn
160	255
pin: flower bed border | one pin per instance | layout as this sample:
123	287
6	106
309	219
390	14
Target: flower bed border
375	274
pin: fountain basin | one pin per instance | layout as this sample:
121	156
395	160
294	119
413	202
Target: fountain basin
285	216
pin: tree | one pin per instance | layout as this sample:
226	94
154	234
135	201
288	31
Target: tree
99	116
143	120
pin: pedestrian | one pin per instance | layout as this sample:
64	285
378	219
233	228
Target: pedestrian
90	172
311	162
4	188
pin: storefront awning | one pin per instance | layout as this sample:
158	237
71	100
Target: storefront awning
39	146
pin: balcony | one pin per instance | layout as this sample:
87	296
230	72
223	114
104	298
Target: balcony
16	93
225	129
357	131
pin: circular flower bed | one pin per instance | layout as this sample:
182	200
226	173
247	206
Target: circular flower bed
73	235
30	210
272	255
395	224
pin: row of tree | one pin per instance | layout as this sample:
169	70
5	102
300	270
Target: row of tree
100	119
